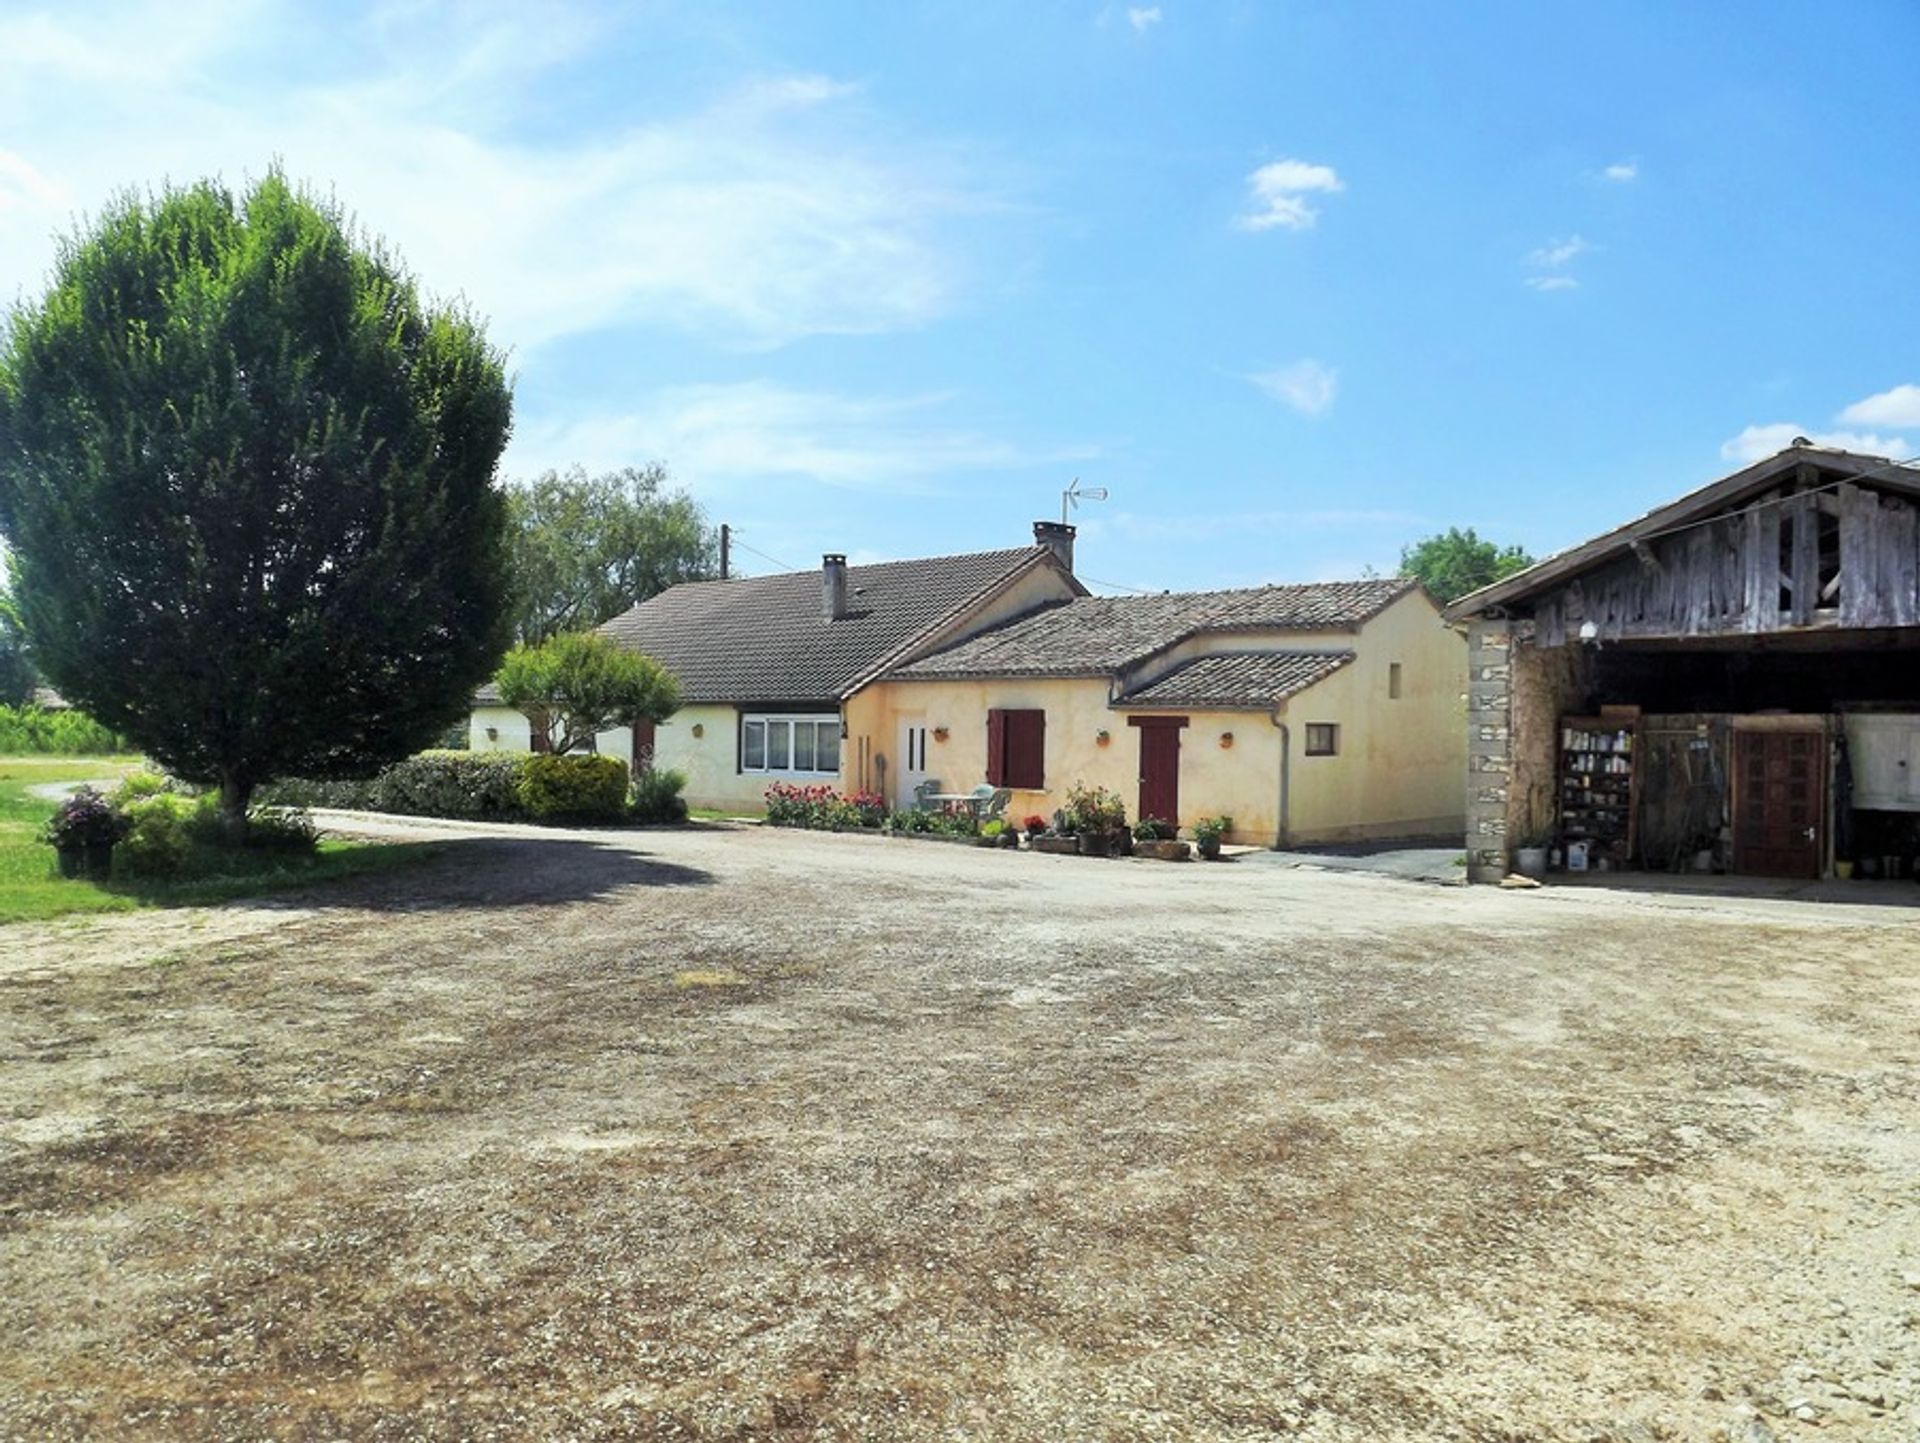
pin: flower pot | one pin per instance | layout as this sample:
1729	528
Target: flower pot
1843	869
1163	851
93	861
1208	848
1095	844
1530	861
1058	846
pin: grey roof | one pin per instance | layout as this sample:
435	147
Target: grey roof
1238	680
1099	635
764	639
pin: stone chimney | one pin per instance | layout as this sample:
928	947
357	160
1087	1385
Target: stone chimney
1057	537
833	586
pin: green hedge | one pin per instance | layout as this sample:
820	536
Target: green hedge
585	788
30	731
498	787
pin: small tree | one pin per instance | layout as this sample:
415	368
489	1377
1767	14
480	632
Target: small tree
247	476
585	683
1456	562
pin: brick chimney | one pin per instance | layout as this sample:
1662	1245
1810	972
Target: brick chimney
1057	537
833	586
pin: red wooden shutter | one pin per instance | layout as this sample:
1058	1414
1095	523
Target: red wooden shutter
1026	750
541	739
997	747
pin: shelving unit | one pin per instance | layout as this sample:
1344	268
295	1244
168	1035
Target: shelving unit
1600	784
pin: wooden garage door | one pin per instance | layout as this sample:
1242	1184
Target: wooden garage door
1779	803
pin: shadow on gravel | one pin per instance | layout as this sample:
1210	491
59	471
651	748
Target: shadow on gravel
503	872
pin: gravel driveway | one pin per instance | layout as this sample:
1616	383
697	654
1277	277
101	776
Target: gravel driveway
742	1134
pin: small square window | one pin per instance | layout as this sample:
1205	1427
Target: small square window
1323	739
1393	681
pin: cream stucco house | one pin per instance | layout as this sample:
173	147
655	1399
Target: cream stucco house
1321	712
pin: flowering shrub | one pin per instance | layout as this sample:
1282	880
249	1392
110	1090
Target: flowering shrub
821	808
85	819
1034	825
1095	809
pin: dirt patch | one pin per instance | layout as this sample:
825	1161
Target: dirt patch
742	1134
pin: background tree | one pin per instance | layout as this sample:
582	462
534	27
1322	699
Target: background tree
1455	562
16	671
247	475
587	683
585	548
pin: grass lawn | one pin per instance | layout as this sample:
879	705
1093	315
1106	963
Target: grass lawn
31	887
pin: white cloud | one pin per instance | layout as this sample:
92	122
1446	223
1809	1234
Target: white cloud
1557	253
1141	17
1756	443
1306	385
767	214
716	437
1550	261
1279	194
1899	408
1622	171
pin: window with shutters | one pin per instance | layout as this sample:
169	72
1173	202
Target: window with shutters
1017	749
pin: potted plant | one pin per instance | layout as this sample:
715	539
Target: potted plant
1034	826
83	833
1530	857
1099	819
1207	834
1155	838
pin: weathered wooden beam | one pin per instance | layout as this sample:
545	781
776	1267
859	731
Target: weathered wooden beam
1806	555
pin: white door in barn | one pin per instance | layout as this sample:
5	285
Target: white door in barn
910	762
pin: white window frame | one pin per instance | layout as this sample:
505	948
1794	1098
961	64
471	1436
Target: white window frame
769	721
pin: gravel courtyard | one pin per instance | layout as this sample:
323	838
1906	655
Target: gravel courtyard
738	1134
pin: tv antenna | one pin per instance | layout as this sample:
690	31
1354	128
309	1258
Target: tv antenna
1075	494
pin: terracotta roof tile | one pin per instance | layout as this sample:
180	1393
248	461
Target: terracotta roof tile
1099	635
1238	680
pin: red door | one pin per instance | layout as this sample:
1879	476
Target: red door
1779	804
642	747
1159	769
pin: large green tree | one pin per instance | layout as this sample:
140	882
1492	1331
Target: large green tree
585	548
585	683
1455	562
247	473
16	671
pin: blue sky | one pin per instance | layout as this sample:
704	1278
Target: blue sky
1298	283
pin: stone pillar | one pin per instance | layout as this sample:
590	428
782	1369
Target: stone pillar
1489	746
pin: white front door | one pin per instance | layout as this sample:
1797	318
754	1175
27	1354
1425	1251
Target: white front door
910	762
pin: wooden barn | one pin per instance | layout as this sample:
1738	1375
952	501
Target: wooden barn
1728	683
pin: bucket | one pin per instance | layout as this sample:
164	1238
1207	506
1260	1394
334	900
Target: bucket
1530	861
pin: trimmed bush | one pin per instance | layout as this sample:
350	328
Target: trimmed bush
586	787
656	796
160	840
479	786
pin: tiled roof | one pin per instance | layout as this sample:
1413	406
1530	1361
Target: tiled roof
1243	679
1098	635
763	638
